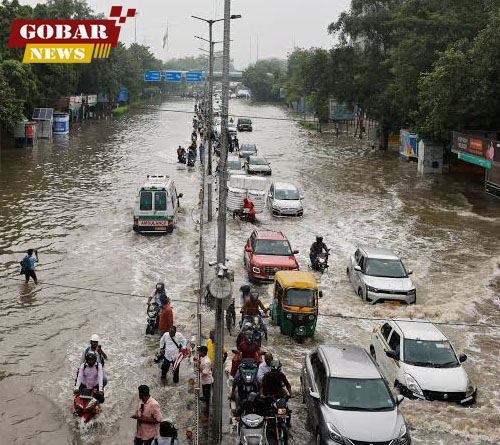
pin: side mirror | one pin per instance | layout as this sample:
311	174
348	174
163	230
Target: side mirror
409	272
357	268
180	195
320	294
313	394
392	354
248	249
462	358
295	251
399	399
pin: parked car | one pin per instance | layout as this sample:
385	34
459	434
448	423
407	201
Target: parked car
247	150
231	129
284	199
267	252
379	275
348	401
419	360
234	167
244	124
255	165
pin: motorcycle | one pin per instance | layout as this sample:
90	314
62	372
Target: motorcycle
85	405
181	158
191	159
248	378
252	430
277	423
152	312
258	328
320	263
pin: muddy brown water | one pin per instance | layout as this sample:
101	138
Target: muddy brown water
73	200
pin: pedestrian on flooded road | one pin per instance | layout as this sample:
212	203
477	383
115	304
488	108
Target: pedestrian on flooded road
28	264
171	345
202	151
148	416
206	378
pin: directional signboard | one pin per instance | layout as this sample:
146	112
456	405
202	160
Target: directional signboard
173	76
152	76
194	76
340	112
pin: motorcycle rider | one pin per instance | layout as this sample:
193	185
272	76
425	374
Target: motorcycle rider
181	155
191	155
248	204
252	405
275	382
250	307
264	367
90	376
159	295
101	356
317	248
248	348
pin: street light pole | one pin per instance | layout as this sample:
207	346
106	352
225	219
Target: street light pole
135	26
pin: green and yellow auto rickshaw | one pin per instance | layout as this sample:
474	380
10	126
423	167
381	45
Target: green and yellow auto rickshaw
295	304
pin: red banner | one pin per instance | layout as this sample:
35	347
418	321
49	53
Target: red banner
24	32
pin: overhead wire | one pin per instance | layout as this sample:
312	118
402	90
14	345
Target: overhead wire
320	314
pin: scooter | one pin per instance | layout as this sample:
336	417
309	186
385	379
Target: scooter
191	159
248	378
252	430
152	312
320	263
85	405
181	158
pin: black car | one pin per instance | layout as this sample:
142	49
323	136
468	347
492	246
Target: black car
244	125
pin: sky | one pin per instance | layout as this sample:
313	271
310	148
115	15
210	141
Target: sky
268	28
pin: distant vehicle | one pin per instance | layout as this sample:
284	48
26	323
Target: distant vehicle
348	401
244	124
234	167
419	360
156	205
267	252
243	94
255	165
379	275
232	96
247	150
284	199
231	128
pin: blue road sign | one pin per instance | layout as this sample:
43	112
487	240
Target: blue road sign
173	76
194	76
152	76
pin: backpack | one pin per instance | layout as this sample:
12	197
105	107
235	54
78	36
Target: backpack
25	265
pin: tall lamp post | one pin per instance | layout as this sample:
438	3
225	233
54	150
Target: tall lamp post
135	26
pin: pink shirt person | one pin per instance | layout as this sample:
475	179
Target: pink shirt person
148	415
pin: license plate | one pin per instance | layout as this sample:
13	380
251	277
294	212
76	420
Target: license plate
153	223
160	228
393	302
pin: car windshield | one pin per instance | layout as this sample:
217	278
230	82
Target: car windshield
287	194
273	247
233	165
300	297
257	161
429	354
244	121
378	267
359	395
247	148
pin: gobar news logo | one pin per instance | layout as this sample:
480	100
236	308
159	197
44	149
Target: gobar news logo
67	41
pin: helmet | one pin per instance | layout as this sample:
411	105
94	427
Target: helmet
90	355
319	239
248	325
94	337
275	365
245	289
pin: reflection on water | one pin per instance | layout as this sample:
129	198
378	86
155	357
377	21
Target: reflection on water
73	200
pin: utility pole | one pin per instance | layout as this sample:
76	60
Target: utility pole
135	26
210	117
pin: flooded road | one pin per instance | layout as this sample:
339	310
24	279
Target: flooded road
73	201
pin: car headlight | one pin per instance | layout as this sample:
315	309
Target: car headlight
404	436
412	385
311	317
255	269
412	292
470	388
276	207
371	289
288	315
334	434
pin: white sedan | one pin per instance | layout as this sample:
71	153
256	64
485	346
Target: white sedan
418	359
255	165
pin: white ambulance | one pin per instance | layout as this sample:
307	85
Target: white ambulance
156	205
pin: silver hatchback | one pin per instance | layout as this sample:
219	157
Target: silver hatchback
379	275
348	401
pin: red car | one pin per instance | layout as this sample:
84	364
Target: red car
267	252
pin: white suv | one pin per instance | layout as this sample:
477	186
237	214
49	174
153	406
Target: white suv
379	275
419	360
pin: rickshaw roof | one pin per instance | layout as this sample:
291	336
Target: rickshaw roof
296	278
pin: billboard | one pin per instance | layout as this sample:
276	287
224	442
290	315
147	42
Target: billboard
340	112
476	150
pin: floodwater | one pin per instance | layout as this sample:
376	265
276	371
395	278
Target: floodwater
73	200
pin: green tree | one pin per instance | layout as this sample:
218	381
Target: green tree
265	78
10	108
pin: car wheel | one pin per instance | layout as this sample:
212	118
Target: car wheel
347	271
372	352
319	440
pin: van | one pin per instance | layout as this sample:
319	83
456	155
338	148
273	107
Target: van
156	205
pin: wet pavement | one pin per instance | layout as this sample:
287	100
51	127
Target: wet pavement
73	200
